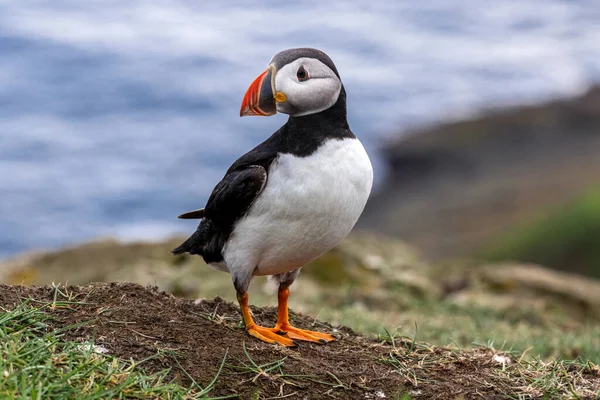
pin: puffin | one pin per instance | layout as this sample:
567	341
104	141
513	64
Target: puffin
293	197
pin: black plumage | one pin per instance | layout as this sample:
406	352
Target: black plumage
229	200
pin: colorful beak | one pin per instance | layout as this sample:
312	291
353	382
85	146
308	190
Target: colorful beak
260	96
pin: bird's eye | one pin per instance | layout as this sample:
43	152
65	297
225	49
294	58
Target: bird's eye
302	75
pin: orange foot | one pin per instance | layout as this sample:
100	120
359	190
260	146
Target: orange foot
269	335
283	333
303	334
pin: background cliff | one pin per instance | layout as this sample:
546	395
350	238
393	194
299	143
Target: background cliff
514	183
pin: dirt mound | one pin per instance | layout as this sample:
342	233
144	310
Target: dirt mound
195	338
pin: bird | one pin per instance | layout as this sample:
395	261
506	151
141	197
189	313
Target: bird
294	196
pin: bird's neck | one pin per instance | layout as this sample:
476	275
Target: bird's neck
331	120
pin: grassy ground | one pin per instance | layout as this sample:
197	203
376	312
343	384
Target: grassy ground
96	342
370	284
38	363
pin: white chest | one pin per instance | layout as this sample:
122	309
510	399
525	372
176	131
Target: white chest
307	207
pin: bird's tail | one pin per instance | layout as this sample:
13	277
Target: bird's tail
188	246
196	243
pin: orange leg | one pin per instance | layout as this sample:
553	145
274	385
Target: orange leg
268	335
283	327
283	324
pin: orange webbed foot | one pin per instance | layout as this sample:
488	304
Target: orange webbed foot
270	335
304	334
283	333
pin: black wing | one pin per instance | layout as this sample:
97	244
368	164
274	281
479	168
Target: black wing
236	192
237	186
229	201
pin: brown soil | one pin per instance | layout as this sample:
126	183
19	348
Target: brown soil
194	338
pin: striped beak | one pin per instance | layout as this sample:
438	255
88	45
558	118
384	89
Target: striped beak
260	96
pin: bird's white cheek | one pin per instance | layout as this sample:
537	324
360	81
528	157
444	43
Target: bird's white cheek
325	93
309	97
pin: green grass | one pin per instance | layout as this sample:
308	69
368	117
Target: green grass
37	364
566	238
396	292
513	374
384	286
540	335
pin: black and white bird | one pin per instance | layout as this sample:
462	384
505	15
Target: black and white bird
294	196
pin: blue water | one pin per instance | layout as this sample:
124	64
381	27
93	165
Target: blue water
115	116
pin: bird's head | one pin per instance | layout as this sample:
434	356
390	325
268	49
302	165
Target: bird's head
297	82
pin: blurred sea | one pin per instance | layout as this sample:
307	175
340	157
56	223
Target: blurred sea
117	116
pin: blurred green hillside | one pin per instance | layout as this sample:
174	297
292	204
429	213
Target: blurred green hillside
566	238
511	184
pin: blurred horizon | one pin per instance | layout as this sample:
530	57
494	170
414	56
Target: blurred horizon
116	117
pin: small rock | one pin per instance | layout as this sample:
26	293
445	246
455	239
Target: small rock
93	347
501	359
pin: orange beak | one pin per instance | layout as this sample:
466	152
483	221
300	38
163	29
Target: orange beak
260	96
